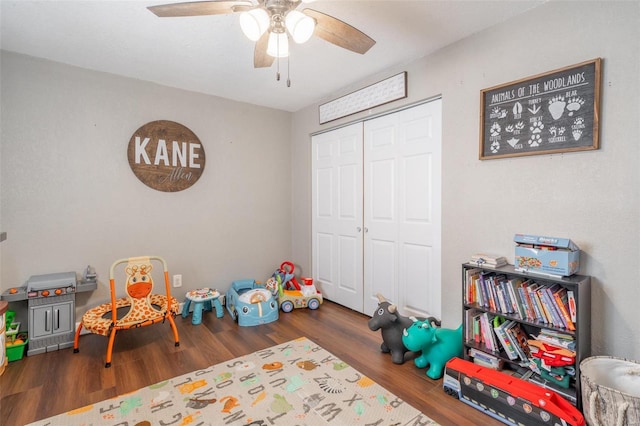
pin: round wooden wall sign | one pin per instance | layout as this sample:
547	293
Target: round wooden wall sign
166	156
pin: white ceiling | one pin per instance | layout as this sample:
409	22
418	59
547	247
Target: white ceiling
209	54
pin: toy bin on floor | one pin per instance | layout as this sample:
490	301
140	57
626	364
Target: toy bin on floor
15	351
610	391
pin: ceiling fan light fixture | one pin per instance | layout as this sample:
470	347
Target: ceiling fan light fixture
254	23
300	26
278	46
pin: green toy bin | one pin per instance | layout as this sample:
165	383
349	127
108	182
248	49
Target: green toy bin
15	352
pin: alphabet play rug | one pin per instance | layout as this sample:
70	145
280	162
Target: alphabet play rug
295	383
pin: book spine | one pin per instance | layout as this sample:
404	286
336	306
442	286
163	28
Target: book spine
487	333
527	303
478	292
556	307
563	308
512	336
547	318
516	306
477	331
519	339
485	291
507	298
505	342
502	302
550	305
468	325
491	293
539	317
470	287
572	306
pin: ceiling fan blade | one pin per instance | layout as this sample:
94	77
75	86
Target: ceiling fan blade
260	57
340	33
199	8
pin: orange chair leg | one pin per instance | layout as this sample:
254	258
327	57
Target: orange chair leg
175	330
76	339
112	338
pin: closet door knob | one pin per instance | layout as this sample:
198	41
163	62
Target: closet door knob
359	229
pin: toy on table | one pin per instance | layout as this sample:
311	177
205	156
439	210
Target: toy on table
250	303
438	345
387	319
291	294
203	299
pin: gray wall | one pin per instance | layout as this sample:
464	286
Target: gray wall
70	199
591	197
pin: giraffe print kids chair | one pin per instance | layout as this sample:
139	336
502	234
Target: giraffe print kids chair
140	307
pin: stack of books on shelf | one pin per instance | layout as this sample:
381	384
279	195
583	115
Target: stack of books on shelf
490	260
496	335
514	341
522	299
484	359
556	339
554	361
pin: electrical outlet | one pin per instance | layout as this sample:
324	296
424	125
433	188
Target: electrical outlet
177	280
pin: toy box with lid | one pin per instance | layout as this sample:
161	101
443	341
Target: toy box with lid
547	255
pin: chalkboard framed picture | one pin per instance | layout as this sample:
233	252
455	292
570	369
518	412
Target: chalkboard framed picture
548	113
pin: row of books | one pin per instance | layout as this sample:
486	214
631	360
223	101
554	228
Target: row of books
521	298
498	335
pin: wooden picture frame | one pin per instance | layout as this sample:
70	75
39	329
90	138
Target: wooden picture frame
557	111
385	91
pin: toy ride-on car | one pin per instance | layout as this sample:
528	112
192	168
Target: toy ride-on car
250	304
306	297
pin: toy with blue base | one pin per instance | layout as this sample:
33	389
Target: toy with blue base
202	299
438	345
250	303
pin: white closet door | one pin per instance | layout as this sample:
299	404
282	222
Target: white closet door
337	215
402	223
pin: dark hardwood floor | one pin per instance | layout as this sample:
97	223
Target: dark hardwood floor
40	386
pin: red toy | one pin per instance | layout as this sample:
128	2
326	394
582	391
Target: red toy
291	284
506	398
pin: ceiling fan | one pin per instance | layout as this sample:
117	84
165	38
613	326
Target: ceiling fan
270	23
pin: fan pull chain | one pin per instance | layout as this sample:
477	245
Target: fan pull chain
278	64
278	58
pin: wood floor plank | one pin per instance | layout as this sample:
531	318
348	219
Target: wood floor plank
44	385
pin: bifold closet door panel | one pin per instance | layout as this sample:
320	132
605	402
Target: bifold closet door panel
402	180
337	252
